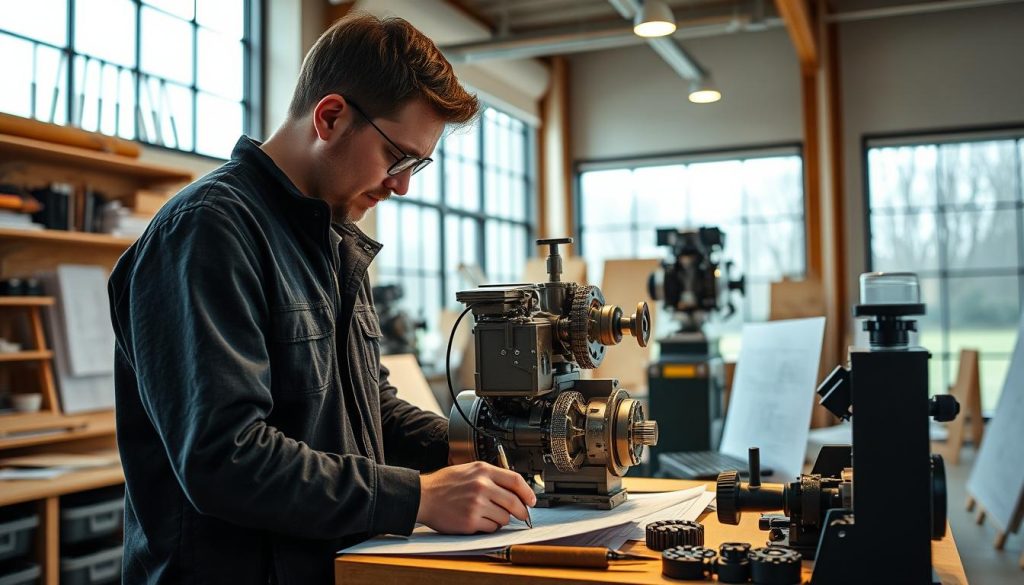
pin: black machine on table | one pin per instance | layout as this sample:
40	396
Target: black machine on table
532	341
397	327
689	377
900	503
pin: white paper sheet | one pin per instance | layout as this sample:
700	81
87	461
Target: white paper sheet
86	311
997	479
773	393
548	524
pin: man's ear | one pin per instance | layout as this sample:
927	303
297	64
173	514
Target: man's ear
330	115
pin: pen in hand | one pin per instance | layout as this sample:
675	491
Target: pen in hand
504	463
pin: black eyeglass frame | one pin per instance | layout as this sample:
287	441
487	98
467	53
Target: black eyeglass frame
402	163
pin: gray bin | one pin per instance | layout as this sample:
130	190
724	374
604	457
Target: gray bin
24	574
92	568
81	523
16	537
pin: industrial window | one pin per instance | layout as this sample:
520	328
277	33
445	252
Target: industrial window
949	208
468	217
171	73
755	198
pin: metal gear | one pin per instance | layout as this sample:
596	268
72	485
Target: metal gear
566	413
588	352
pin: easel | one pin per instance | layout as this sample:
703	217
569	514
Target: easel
1001	535
967	391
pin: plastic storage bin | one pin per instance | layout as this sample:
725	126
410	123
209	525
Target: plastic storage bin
93	567
17	526
21	573
91	515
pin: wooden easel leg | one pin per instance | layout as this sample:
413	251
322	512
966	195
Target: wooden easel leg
1000	542
970	503
1021	561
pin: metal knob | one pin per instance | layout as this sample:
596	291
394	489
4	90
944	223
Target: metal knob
638	324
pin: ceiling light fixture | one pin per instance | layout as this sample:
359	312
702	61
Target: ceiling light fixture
703	91
655	19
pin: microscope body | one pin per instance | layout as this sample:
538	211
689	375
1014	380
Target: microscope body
532	341
882	498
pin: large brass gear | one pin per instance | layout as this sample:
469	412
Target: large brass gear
586	305
567	452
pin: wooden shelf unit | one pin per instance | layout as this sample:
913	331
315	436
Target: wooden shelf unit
25	253
16	147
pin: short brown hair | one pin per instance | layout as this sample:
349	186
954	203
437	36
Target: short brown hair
380	64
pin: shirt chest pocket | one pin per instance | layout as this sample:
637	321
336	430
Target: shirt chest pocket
366	344
302	353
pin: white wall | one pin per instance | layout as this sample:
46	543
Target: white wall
628	102
952	69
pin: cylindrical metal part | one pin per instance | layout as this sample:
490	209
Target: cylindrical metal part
559	556
754	460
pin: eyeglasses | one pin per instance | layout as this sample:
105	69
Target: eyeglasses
402	163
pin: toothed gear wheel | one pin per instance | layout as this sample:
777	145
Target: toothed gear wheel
775	565
727	497
566	414
588	353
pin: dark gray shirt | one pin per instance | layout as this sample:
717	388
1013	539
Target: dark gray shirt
253	415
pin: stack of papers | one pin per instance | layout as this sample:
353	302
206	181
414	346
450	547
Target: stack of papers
565	525
51	465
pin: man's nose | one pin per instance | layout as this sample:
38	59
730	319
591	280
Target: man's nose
399	184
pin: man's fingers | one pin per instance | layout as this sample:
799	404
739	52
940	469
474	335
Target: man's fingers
509	501
513	482
495	514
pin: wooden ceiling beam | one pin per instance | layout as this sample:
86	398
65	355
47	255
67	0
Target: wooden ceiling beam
797	16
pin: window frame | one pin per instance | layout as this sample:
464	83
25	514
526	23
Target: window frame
252	73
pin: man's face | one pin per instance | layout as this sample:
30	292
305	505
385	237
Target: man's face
352	174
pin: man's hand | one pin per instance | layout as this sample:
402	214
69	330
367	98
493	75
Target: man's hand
472	497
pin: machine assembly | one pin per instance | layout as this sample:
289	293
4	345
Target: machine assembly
580	436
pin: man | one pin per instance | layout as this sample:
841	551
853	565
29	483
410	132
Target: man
253	414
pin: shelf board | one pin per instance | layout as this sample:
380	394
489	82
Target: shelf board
83	158
64	237
26	356
17	491
25	301
86	426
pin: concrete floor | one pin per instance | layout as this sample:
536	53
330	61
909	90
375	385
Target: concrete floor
982	562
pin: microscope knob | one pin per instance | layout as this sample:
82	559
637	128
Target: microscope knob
943	407
728	497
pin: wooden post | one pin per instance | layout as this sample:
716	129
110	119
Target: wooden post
967	391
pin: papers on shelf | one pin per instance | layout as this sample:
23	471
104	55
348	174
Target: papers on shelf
574	525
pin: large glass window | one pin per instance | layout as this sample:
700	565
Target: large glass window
172	73
468	217
949	209
756	199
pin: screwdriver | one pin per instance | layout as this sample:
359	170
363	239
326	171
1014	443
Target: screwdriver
595	557
504	463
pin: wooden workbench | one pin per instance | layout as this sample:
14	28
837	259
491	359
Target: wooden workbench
424	570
